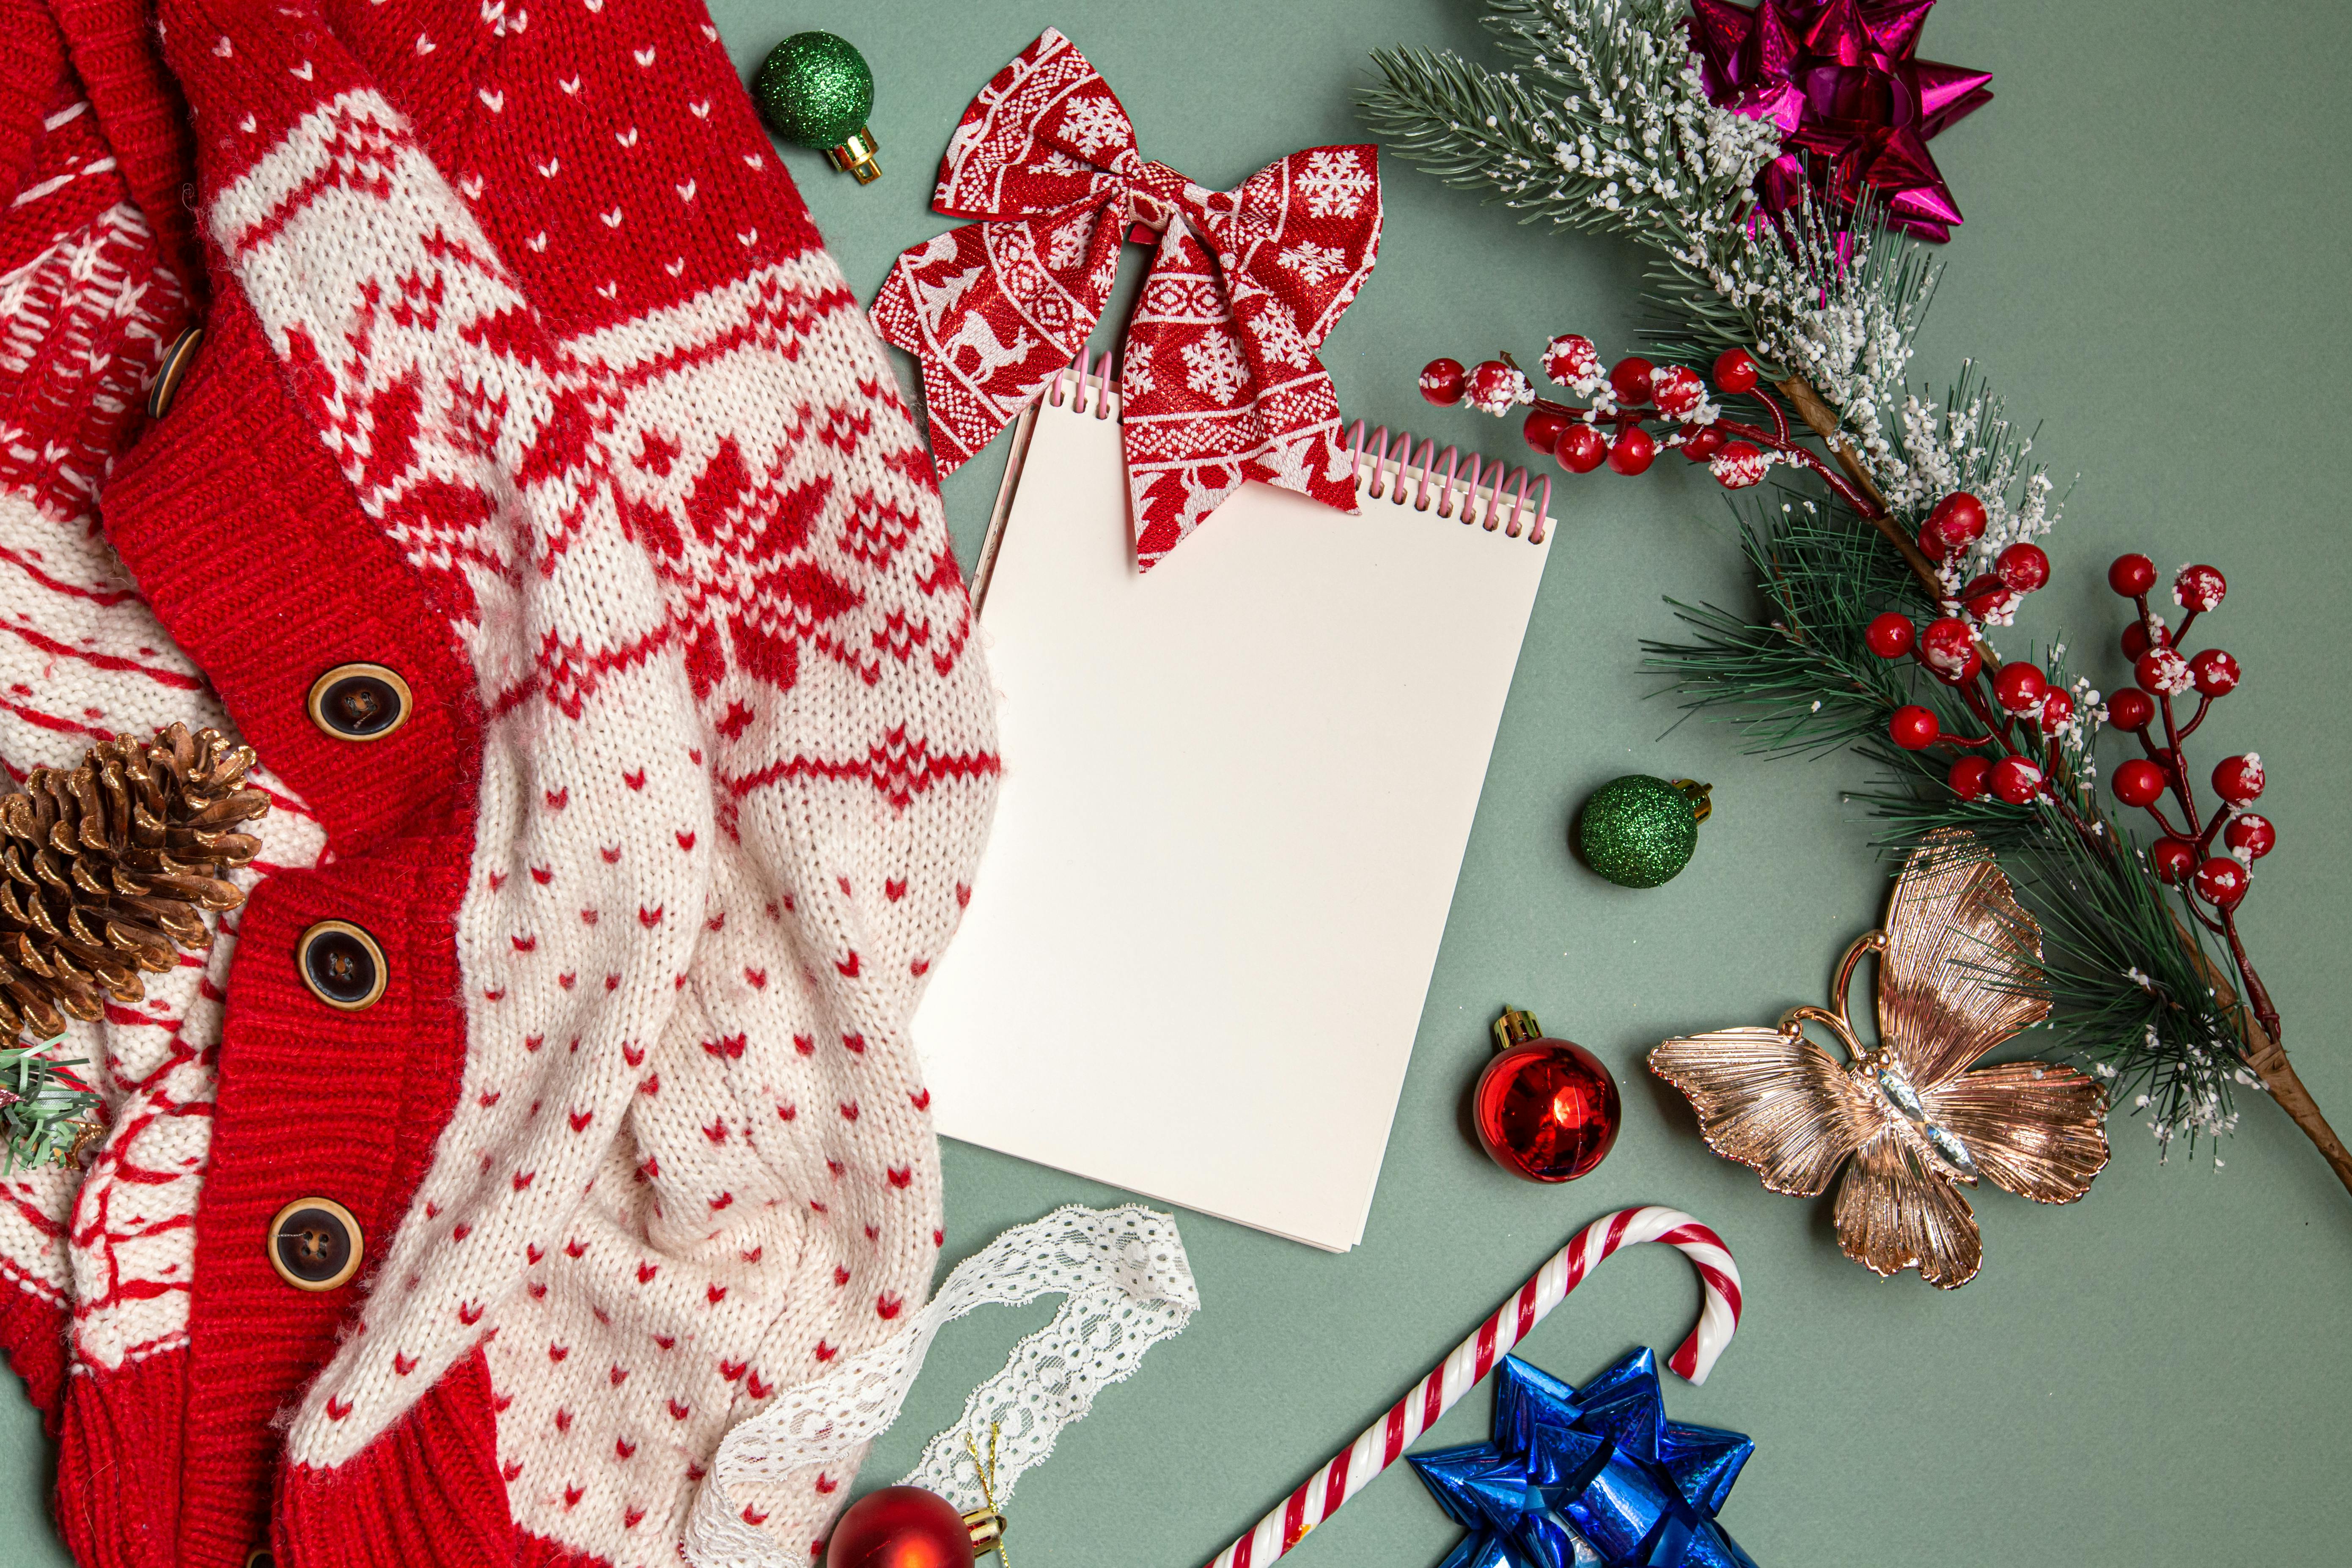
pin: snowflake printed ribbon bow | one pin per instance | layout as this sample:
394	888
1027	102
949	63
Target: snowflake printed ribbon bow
1219	382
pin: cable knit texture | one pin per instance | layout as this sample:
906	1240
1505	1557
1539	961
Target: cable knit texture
525	375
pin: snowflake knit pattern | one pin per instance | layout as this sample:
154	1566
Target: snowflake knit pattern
526	376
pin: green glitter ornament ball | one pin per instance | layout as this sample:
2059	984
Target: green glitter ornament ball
1640	831
815	90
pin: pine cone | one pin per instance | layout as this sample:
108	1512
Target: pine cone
104	868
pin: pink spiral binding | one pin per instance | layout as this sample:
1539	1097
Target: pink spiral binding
1353	1467
1489	494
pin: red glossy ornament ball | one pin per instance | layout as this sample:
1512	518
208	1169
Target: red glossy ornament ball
2172	859
2131	575
2020	687
1735	371
900	1527
2131	709
1959	517
1442	382
1676	391
1581	448
2057	709
1890	635
1543	430
1632	452
1739	465
2138	782
2015	780
2199	588
2251	836
1913	728
1630	379
2215	672
1547	1109
2239	780
1702	442
2161	672
1970	776
1946	645
2221	882
2023	567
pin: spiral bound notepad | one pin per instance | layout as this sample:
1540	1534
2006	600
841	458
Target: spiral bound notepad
1236	793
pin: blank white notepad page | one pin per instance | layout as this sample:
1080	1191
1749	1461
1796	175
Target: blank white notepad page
1236	797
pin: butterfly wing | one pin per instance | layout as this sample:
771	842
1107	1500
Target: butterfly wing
1892	1215
2039	1131
1961	971
1776	1102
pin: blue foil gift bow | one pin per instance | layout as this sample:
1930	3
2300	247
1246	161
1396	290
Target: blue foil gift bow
1588	1478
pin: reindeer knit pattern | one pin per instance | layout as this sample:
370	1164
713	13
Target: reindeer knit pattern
525	375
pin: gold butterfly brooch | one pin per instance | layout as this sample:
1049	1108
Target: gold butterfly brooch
1959	973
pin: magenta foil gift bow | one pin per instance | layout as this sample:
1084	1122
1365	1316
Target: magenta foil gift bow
1843	82
1219	382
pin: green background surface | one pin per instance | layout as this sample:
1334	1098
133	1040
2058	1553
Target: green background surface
2153	267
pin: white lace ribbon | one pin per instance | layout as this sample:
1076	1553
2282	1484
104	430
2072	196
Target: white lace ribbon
1126	1285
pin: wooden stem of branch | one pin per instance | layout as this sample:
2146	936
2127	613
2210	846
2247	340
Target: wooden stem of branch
2267	1057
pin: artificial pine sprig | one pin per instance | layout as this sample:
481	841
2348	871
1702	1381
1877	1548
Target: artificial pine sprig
1604	125
47	1113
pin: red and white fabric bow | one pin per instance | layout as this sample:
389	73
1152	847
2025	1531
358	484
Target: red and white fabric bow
1219	382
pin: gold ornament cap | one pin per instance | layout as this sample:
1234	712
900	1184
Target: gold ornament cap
1700	796
987	1527
856	156
1515	1027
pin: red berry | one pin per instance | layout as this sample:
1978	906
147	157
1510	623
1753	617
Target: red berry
2162	672
1890	635
2251	836
1573	361
2215	672
1914	728
1739	466
1932	543
2132	575
2130	709
2138	782
1542	429
1968	777
2239	780
1442	382
1581	448
2015	780
2020	687
1496	388
1631	380
2222	882
2057	710
1702	442
1946	645
2136	639
1987	599
1676	391
2024	567
1735	371
1959	517
1632	452
2199	588
2172	859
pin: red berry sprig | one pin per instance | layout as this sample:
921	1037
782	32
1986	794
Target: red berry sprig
1635	410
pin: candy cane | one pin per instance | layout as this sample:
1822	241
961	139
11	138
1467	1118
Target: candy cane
1386	1439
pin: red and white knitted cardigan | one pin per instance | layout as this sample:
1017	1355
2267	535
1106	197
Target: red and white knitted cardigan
525	374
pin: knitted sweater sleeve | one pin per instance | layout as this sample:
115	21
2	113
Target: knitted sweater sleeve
89	304
543	294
